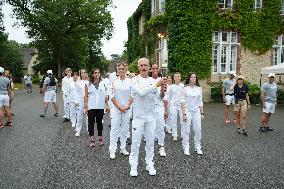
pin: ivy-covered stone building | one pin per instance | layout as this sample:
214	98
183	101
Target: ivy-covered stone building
209	37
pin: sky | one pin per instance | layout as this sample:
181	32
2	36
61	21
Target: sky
124	9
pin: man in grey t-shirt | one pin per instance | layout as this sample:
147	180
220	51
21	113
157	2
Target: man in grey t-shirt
28	82
50	88
228	94
5	91
269	101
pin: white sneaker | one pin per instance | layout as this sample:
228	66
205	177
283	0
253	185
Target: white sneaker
175	139
170	131
133	171
186	152
112	155
77	134
199	151
162	152
124	152
151	170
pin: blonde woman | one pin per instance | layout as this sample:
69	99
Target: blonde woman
122	100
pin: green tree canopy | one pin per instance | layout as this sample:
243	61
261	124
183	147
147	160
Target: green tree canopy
64	31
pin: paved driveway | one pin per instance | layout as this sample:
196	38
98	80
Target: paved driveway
44	153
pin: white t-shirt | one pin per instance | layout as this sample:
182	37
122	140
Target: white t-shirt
121	91
192	98
144	93
96	97
174	94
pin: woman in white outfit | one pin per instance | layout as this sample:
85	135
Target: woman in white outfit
192	110
84	79
121	99
65	85
168	104
174	94
76	102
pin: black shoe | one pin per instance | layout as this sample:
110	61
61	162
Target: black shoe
245	132
65	120
239	130
129	142
56	114
262	129
268	129
109	125
42	115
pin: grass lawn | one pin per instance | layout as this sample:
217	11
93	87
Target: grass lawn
19	86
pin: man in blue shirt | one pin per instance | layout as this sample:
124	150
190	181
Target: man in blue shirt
242	104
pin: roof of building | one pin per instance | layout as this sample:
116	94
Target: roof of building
28	55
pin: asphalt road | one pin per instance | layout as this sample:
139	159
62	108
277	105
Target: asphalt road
44	153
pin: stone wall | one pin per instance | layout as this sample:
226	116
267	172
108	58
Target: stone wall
250	68
251	65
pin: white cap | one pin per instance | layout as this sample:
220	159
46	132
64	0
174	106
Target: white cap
271	75
232	73
240	77
1	70
49	72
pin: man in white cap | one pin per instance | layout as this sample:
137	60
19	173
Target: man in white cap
228	94
4	99
269	101
50	88
144	92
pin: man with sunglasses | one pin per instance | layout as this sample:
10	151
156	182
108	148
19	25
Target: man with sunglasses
269	101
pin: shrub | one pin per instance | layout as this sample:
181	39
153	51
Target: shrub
216	92
280	96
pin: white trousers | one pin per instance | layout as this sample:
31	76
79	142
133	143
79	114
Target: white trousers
76	115
160	127
146	125
194	119
66	108
175	111
119	129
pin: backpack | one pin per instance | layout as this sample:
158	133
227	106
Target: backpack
52	81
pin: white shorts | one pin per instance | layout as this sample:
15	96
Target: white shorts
230	99
4	101
269	107
50	96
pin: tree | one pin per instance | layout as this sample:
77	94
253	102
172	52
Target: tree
11	58
64	31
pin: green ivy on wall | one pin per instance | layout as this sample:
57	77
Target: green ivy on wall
190	24
190	36
140	45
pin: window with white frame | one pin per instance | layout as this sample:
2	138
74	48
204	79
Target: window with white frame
257	4
282	7
141	25
224	52
278	50
225	4
162	6
157	7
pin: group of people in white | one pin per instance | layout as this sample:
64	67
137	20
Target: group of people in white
153	103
